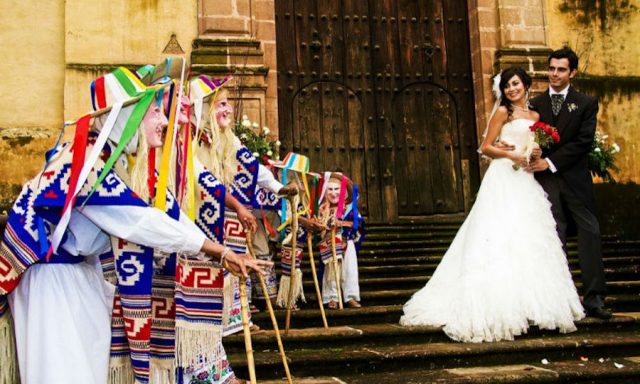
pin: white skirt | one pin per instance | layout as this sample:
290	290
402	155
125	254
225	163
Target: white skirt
504	270
62	320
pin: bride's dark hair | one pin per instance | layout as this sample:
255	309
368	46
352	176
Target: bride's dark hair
507	75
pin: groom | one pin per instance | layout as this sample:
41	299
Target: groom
562	172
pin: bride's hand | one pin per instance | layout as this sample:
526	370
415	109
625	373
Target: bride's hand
520	160
536	153
504	145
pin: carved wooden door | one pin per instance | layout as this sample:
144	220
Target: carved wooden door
382	91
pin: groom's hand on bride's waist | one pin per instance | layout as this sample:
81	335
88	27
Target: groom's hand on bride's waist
538	165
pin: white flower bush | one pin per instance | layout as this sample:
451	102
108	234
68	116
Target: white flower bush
257	140
601	160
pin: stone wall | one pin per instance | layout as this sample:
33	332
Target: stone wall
522	33
53	49
32	83
604	35
101	35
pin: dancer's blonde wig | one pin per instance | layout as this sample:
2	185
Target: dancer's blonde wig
219	155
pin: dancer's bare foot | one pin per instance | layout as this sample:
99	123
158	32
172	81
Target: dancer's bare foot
332	304
235	380
353	304
255	329
253	308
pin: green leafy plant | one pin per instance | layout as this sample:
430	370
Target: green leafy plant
602	158
257	140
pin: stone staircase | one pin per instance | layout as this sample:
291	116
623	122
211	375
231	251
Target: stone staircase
367	345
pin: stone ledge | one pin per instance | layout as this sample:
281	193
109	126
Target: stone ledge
91	67
531	59
208	42
26	133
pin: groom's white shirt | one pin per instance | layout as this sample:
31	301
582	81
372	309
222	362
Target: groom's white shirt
564	94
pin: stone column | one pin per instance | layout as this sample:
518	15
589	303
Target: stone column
238	37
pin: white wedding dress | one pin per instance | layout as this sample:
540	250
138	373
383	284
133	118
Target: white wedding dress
505	269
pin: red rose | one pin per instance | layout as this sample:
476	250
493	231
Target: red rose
555	136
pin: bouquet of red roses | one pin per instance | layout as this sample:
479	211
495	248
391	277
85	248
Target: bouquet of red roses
544	134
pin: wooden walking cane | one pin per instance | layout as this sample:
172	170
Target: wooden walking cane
335	267
244	306
274	321
244	311
293	200
315	280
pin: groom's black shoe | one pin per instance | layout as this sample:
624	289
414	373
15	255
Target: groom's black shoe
600	313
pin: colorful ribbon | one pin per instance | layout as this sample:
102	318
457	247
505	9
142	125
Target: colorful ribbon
79	151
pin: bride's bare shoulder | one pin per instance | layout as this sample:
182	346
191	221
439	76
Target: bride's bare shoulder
502	114
535	116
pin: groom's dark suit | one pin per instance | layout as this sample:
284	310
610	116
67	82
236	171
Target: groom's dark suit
570	188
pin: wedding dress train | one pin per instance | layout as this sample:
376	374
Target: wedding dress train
506	268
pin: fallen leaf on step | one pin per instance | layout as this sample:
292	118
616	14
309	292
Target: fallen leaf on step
544	361
618	365
584	358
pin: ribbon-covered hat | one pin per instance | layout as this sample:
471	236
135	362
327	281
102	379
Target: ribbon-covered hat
203	87
168	69
292	162
117	86
121	100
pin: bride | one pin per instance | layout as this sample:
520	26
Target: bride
505	269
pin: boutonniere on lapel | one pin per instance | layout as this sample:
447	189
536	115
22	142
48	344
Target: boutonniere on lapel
572	107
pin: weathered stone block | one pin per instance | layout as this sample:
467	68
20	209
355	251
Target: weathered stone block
270	54
265	30
243	7
225	25
264	10
216	7
512	17
488	18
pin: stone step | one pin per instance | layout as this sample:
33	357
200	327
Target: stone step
305	380
387	308
427	220
612	246
354	360
426	235
309	316
432	255
620	302
614	268
394	333
621	285
621	370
